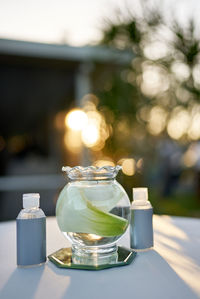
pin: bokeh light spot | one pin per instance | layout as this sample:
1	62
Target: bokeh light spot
76	119
128	167
178	124
104	162
72	140
90	134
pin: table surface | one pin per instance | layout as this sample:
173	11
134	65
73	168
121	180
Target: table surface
170	270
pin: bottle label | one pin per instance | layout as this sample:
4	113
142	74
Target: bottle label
141	229
31	241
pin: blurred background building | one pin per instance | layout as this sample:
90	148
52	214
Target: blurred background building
131	98
40	83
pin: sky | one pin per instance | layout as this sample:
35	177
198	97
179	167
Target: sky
76	22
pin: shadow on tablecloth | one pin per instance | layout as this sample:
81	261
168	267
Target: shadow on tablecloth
22	283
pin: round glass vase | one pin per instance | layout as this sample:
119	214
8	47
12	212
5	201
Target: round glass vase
93	210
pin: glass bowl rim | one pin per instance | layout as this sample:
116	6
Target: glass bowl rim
91	172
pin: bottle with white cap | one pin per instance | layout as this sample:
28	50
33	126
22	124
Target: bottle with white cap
141	228
31	232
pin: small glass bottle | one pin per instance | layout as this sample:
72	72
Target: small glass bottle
31	232
141	228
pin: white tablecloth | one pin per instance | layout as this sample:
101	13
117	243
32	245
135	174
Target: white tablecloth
171	270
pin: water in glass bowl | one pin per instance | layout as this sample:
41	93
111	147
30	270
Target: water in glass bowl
93	215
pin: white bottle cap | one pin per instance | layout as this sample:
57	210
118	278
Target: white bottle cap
140	194
31	200
140	198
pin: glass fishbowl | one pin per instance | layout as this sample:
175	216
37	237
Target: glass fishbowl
93	210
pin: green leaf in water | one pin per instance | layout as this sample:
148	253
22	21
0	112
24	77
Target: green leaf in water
77	214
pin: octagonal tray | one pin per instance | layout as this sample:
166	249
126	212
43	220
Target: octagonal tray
64	258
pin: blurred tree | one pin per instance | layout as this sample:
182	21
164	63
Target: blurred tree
153	104
158	94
